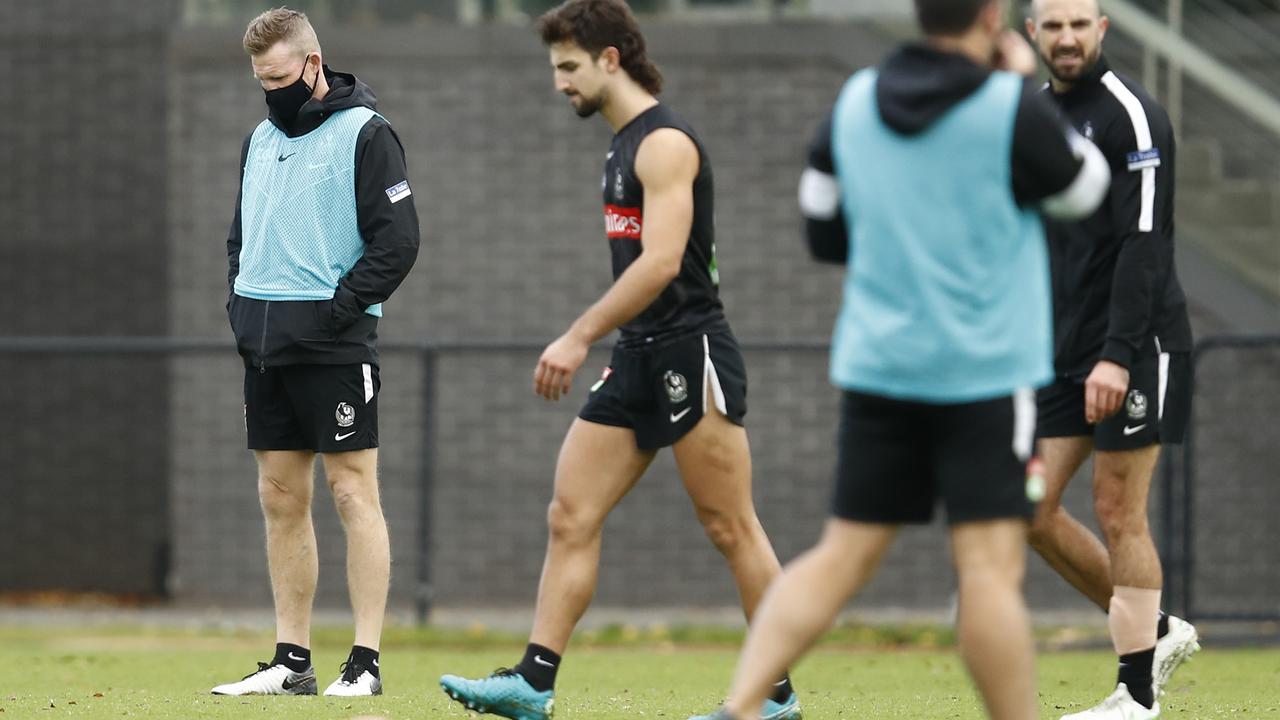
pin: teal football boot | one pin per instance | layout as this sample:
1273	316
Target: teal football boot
789	710
720	714
505	693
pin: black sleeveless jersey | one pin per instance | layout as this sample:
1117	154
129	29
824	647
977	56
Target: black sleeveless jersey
691	303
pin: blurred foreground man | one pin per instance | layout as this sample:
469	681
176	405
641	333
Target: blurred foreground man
676	378
1121	359
324	231
927	183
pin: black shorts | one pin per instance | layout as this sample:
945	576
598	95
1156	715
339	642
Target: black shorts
896	459
325	408
659	393
1155	409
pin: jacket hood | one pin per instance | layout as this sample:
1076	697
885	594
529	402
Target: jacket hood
917	85
346	91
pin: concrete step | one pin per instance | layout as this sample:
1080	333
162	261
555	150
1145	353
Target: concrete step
1200	161
1240	203
1252	254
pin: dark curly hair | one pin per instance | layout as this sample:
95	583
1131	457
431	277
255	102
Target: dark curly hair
948	17
594	25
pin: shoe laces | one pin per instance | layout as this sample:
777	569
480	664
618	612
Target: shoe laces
351	671
261	666
504	672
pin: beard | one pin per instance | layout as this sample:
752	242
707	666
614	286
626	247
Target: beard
1086	62
584	106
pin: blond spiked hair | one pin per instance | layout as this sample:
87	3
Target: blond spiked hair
280	25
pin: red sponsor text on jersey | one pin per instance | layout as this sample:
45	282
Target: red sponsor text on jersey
622	222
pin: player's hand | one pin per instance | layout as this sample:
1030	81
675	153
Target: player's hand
561	359
1104	391
1014	54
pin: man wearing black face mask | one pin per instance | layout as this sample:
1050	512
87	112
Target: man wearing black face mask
324	231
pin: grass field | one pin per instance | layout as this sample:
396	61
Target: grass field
124	672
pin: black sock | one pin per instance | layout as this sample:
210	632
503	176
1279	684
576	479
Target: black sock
294	657
365	658
1162	627
782	690
1135	673
539	667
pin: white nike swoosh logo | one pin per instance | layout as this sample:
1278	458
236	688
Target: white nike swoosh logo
675	417
608	155
538	659
1131	430
375	662
343	437
295	657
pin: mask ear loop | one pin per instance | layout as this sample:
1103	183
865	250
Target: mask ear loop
311	89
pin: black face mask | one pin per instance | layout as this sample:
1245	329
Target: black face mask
284	103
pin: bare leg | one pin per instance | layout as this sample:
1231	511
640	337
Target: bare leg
995	628
802	604
598	466
715	463
1121	482
1069	547
285	480
353	478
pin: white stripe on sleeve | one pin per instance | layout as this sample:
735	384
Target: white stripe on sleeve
819	195
1087	191
1142	132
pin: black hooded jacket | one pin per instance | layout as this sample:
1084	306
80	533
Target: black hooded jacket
337	331
1115	288
917	86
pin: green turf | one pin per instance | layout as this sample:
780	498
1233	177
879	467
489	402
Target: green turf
166	674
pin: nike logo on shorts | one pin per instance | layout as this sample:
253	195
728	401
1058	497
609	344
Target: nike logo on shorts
340	438
675	417
1131	430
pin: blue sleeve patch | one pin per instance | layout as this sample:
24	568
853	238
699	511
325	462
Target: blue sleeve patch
399	191
1143	159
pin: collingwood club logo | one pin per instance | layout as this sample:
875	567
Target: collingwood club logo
345	415
617	185
677	387
1136	405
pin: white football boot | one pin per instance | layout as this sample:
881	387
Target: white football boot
1120	706
1175	648
272	680
354	681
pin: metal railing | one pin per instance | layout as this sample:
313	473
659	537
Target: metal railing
429	352
1176	504
1167	41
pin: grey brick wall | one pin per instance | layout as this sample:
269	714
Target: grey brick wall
83	251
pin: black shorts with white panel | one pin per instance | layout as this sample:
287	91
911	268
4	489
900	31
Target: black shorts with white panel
324	408
898	459
660	390
1155	410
